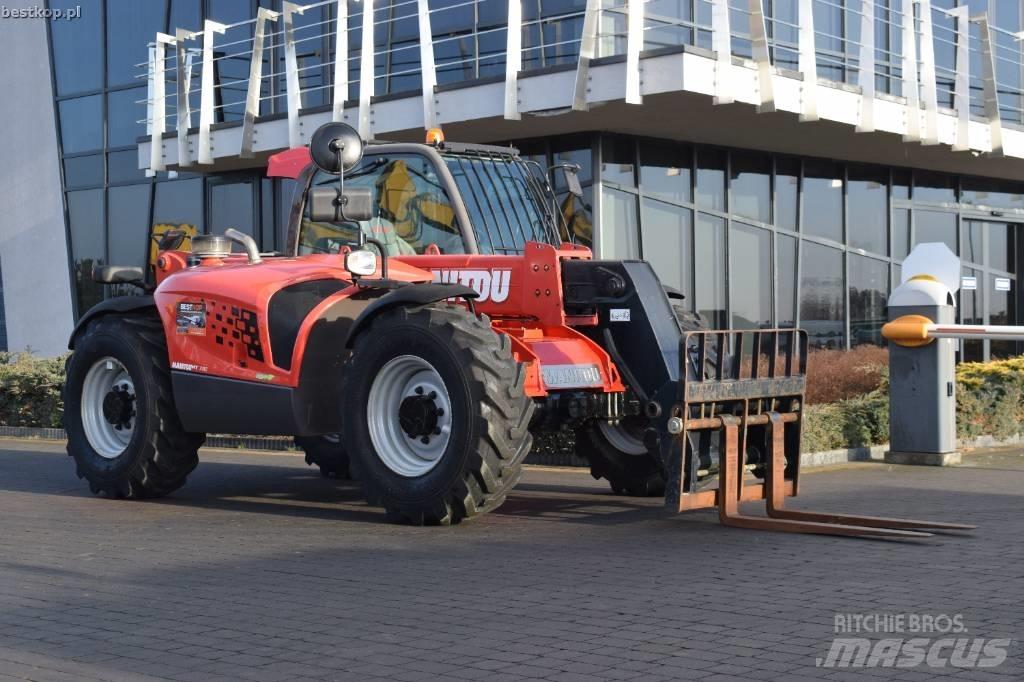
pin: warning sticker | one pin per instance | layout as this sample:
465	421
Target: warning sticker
191	319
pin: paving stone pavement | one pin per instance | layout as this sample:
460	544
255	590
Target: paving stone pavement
261	570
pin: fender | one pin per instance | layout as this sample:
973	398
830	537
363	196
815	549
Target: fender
416	294
120	304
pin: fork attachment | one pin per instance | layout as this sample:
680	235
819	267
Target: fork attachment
743	400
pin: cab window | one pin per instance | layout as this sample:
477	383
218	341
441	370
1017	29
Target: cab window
412	210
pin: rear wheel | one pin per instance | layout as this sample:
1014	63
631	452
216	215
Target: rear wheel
123	430
617	453
436	414
327	453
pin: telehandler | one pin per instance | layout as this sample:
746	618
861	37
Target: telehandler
429	315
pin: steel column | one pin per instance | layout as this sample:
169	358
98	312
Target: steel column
252	94
807	63
513	59
911	89
428	75
931	99
183	67
866	62
158	116
206	94
962	88
588	47
366	71
762	56
988	78
634	44
721	43
340	61
291	72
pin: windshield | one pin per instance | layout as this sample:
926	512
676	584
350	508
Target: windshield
506	202
411	209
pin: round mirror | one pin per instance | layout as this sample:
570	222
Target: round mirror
332	138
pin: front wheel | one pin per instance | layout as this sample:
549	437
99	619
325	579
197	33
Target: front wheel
436	414
123	430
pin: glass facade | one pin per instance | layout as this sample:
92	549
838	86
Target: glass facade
758	240
113	210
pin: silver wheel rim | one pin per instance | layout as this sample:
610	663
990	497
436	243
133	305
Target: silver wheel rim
622	439
107	375
402	378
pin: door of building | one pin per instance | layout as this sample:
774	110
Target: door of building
988	292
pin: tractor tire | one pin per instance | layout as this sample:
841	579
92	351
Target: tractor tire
123	430
325	452
618	453
436	414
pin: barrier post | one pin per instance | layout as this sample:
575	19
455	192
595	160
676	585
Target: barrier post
922	387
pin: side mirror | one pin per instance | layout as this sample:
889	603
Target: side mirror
336	147
572	180
355	205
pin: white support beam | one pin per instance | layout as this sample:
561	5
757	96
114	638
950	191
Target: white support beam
988	79
634	45
866	71
293	90
366	72
962	86
588	50
340	61
513	59
205	155
928	82
252	94
721	43
158	116
183	67
807	63
428	75
911	89
762	57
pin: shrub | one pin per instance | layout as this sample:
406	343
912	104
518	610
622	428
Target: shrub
838	375
30	390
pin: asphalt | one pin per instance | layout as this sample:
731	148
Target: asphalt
259	569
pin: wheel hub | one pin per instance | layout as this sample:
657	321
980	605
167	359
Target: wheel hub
118	407
418	415
109	407
409	414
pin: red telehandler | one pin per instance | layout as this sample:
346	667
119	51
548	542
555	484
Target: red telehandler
428	315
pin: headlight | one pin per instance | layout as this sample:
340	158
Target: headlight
361	262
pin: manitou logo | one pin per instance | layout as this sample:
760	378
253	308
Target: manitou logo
492	285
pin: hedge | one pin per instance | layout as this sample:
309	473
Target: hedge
30	390
990	402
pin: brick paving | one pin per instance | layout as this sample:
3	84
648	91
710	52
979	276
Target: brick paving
261	570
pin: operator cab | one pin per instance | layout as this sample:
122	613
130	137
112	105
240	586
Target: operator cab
436	198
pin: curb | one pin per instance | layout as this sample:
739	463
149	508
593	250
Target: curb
810	460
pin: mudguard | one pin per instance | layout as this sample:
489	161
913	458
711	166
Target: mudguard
416	294
120	304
